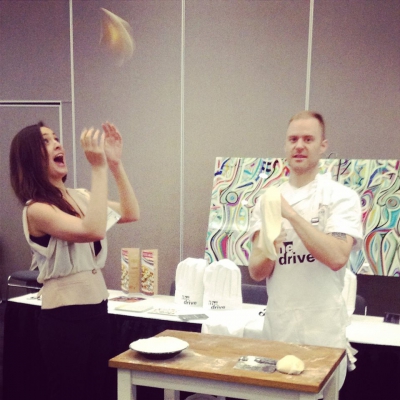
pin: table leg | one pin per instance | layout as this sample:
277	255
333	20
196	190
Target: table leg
331	392
126	391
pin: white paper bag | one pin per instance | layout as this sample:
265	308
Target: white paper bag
222	286
189	286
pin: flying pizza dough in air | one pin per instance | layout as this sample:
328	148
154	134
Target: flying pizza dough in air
290	365
116	37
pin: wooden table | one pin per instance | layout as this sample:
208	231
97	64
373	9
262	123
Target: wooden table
207	366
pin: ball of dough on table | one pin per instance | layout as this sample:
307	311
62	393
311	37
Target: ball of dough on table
290	365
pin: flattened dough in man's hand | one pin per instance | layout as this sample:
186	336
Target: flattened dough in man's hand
271	221
291	365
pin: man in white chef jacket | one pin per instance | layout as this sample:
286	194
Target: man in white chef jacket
321	225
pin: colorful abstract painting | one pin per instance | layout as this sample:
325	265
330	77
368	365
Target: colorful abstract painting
239	182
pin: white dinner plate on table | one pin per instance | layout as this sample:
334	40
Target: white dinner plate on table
159	347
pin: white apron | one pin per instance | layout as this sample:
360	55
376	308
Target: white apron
305	302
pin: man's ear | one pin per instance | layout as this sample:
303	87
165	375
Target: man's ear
324	146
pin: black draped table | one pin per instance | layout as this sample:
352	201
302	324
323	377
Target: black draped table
23	367
375	377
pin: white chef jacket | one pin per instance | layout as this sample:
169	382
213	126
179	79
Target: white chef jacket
305	302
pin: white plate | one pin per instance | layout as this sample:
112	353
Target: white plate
159	347
137	306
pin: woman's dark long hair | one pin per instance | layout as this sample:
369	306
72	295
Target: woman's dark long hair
29	170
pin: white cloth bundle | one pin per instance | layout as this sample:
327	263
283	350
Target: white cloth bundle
234	323
349	291
189	287
222	286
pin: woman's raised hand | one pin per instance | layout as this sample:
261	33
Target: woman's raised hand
112	145
93	145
